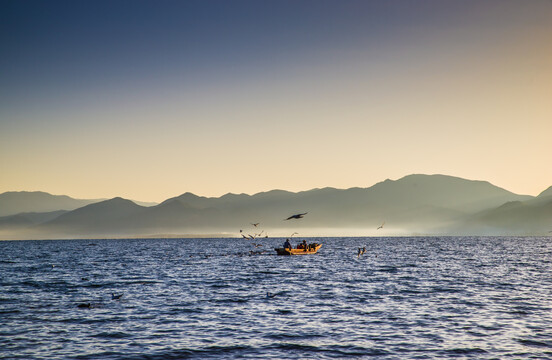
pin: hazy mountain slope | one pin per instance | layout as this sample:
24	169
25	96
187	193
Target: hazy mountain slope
99	218
415	204
12	222
28	219
444	191
528	217
546	193
175	216
15	202
415	198
421	201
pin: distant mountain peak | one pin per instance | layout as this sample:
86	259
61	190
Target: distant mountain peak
232	196
119	199
187	193
111	203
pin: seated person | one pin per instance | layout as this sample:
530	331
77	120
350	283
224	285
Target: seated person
287	244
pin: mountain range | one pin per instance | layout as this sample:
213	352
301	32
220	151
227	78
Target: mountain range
412	205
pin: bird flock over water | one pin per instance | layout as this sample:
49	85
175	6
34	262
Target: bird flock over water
253	234
248	236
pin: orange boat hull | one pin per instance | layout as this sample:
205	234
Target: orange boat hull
311	250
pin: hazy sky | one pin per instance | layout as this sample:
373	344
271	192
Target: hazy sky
150	99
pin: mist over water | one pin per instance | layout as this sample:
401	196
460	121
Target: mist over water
406	298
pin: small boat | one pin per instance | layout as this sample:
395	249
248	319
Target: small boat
311	249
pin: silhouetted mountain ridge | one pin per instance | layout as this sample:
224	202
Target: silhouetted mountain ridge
411	205
101	217
15	202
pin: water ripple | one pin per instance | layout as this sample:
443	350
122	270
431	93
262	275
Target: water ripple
406	298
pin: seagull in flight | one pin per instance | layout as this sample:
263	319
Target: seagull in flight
381	226
255	224
296	216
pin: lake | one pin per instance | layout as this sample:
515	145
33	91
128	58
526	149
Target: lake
405	298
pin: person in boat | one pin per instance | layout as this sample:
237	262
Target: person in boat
287	244
304	245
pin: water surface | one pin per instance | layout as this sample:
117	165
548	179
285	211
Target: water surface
406	298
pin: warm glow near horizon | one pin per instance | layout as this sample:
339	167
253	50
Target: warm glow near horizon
289	96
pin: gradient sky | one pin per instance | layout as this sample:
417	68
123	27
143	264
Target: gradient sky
150	99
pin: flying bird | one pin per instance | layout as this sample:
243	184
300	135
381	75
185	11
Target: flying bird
296	216
381	226
116	297
255	224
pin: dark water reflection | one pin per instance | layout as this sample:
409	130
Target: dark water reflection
407	298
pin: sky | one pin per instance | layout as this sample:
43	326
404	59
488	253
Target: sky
150	99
